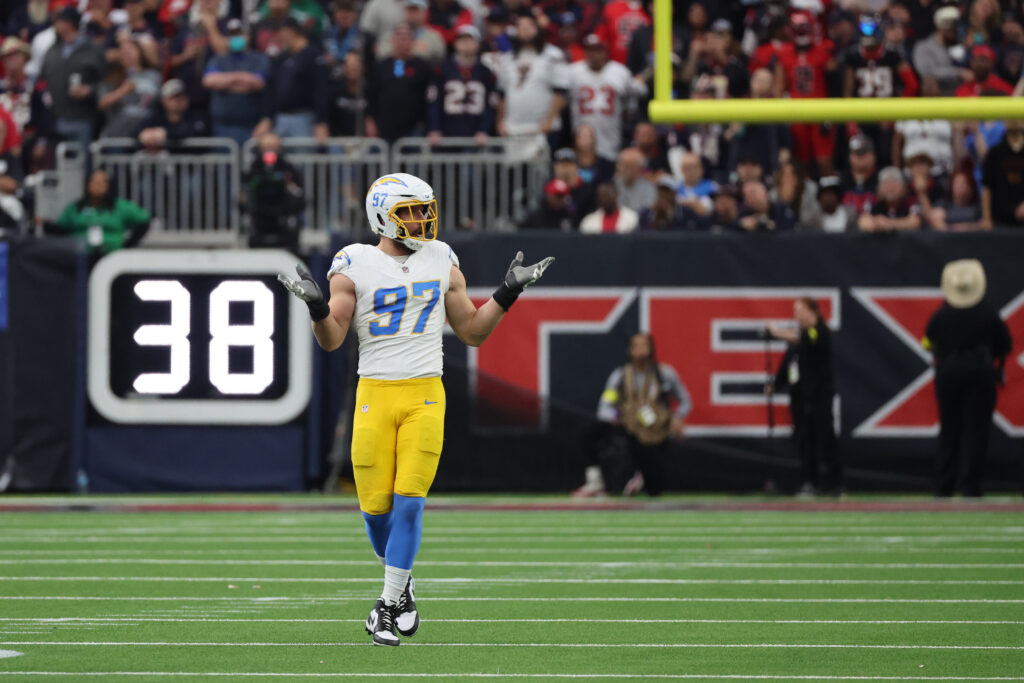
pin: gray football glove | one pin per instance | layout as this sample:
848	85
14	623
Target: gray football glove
518	278
306	289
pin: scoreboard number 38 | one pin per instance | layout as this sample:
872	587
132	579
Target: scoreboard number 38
197	337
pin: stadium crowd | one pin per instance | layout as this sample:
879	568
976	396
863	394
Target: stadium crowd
579	73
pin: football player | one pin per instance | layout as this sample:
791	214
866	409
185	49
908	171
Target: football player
398	294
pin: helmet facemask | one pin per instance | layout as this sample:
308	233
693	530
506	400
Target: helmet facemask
427	227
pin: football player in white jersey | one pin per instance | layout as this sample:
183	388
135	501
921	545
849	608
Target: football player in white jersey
600	89
398	294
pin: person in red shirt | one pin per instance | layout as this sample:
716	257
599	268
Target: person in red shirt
619	19
985	81
801	70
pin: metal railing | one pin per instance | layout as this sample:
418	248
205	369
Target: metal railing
334	177
489	186
191	188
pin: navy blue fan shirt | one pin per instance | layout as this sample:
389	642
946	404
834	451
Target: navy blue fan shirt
299	83
462	101
396	96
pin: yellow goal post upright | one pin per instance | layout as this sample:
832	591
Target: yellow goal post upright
664	109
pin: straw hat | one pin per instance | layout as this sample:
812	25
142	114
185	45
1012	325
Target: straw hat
963	282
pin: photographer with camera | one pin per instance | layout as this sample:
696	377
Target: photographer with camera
807	374
273	198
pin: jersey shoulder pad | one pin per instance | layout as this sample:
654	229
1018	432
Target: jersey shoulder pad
344	259
445	251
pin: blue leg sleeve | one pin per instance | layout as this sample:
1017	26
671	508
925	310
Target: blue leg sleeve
378	528
404	541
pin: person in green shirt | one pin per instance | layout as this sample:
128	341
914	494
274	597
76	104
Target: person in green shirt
105	222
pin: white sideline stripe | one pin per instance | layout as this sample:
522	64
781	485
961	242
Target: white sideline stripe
337	539
682	646
461	563
312	620
379	674
528	581
313	599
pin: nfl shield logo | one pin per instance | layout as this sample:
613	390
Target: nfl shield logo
365	408
405	269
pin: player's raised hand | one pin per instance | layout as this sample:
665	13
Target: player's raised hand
306	289
518	278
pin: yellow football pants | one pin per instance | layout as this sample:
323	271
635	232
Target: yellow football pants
397	435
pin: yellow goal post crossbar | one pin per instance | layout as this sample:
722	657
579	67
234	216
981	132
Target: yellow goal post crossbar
664	109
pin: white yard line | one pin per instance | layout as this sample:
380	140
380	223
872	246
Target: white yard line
381	674
313	620
314	599
363	643
529	581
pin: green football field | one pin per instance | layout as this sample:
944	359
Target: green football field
277	588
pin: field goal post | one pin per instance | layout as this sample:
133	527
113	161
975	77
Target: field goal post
664	109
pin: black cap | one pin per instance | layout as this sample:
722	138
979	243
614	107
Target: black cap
565	154
70	14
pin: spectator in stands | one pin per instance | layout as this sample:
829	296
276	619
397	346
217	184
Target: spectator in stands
694	192
140	29
556	210
72	70
496	39
635	191
804	69
1010	52
101	29
695	27
963	210
985	81
346	104
27	19
835	216
860	181
873	70
533	82
664	213
610	216
201	38
448	17
427	44
1002	192
380	17
128	104
463	97
583	195
343	34
396	94
105	222
932	57
593	168
298	85
650	144
762	144
799	193
10	146
273	198
308	13
760	213
717	59
13	216
600	91
935	137
237	81
725	215
893	210
619	20
174	120
568	38
983	20
15	85
926	189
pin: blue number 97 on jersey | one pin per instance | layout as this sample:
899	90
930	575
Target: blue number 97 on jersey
389	301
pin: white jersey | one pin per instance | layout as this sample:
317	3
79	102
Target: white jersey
399	314
528	82
599	98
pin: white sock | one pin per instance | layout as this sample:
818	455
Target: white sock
394	583
383	562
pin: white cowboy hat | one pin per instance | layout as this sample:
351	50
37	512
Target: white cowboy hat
963	282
